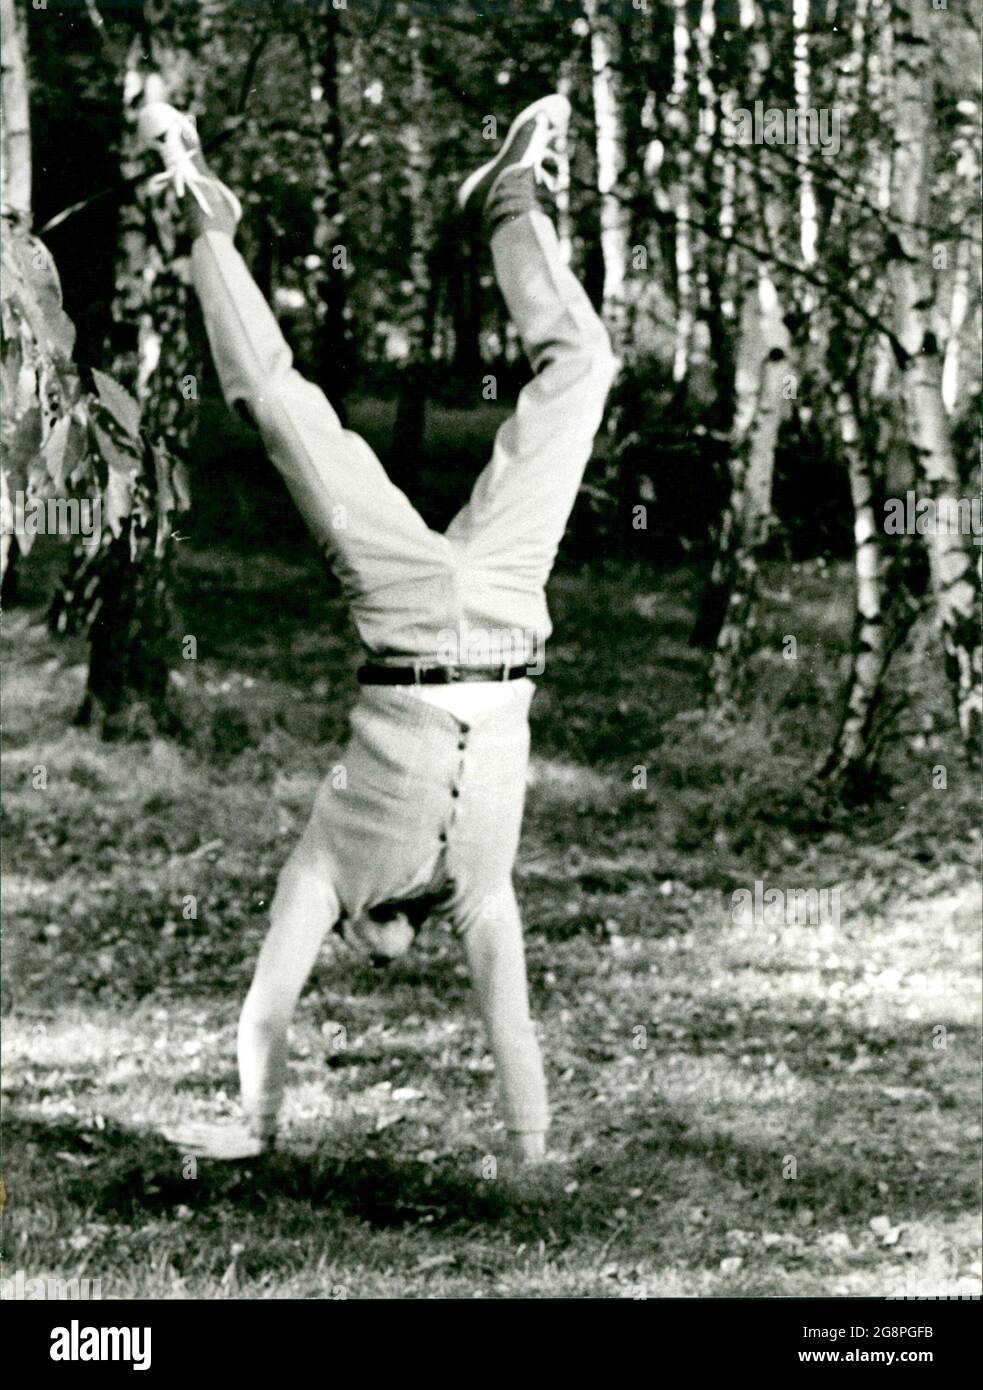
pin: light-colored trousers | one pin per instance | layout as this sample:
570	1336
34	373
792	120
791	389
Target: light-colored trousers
431	802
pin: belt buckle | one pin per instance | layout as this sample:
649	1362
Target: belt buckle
454	674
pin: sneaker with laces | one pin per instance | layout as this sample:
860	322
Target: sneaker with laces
174	135
536	141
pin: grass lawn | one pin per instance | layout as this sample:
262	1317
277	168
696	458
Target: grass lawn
739	1108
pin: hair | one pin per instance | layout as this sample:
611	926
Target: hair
416	910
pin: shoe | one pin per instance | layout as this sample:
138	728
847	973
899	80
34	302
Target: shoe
174	135
535	139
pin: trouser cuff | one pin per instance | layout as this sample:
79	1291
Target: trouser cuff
517	193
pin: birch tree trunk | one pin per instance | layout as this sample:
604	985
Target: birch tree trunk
15	116
15	190
967	175
333	341
727	618
705	253
761	371
606	61
802	79
564	216
954	582
411	410
958	308
678	120
853	750
852	753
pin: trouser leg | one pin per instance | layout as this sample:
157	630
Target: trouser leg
386	557
492	934
522	500
305	906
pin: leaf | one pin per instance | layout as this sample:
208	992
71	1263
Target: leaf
181	485
21	450
54	451
31	281
118	401
116	459
26	395
435	1262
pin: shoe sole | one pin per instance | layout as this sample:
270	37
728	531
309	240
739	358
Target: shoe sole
554	102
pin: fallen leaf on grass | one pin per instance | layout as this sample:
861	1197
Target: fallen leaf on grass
435	1262
881	1226
835	1242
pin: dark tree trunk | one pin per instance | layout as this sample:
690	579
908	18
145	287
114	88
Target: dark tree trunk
410	425
132	645
11	580
416	386
465	307
120	592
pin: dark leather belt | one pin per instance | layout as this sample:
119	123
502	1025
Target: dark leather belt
373	673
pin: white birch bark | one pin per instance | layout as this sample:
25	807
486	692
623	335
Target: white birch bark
760	372
851	754
564	215
678	120
966	176
15	184
752	470
606	60
15	116
954	583
703	148
802	80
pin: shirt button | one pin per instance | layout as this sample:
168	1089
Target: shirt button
442	837
462	745
455	792
465	728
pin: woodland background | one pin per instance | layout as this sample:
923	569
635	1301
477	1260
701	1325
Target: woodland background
750	680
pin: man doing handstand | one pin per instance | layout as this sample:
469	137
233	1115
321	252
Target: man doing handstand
437	755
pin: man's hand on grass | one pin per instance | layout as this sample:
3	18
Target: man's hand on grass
227	1140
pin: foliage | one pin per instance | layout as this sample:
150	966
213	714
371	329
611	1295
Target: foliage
60	438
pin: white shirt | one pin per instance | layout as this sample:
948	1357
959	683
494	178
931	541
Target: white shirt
470	698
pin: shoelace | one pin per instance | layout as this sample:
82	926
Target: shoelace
180	170
541	148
